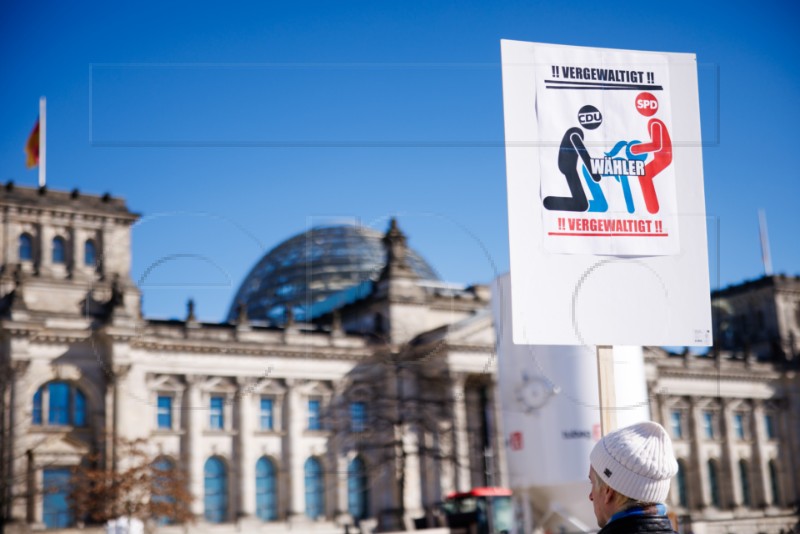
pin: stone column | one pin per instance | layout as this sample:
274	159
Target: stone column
18	422
194	412
412	500
342	512
760	486
294	459
661	413
731	467
246	467
460	437
698	467
499	442
6	248
446	439
111	422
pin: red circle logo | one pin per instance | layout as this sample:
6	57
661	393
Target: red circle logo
646	104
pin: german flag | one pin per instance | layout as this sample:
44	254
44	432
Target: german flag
32	147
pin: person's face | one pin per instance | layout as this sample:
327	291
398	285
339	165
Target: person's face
602	497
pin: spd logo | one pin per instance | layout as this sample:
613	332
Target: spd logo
646	104
589	117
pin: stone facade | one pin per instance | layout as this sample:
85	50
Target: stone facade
401	382
71	317
733	413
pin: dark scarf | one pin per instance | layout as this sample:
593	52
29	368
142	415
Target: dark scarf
639	520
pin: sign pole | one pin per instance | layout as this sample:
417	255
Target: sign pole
605	387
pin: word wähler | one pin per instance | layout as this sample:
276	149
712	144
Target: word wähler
617	167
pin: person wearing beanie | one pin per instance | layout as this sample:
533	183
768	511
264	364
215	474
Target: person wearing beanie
630	473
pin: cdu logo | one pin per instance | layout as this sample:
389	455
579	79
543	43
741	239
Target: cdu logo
589	117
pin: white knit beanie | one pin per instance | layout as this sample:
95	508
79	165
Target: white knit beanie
636	461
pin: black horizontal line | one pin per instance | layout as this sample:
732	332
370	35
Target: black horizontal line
559	84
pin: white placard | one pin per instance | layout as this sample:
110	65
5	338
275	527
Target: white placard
550	413
606	206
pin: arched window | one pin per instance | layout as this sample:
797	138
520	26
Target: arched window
25	247
163	498
89	253
713	483
78	408
773	482
315	489
59	250
56	512
66	405
683	496
357	496
744	478
266	495
216	491
37	407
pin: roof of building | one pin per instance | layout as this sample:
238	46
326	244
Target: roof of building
313	265
43	198
774	280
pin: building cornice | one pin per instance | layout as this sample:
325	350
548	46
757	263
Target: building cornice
238	349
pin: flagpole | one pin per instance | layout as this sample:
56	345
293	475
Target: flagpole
766	259
42	142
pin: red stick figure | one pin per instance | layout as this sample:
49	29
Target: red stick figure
661	147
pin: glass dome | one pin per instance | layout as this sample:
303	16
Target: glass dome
310	267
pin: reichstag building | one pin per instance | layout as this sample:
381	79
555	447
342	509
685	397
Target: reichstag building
349	388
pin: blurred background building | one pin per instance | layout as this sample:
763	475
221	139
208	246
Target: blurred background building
348	386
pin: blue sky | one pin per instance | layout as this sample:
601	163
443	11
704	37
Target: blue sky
231	127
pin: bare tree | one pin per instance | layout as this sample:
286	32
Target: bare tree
141	487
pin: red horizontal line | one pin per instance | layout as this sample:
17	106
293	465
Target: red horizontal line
607	235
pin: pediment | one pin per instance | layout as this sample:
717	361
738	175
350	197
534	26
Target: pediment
219	383
166	382
268	386
61	445
314	388
475	330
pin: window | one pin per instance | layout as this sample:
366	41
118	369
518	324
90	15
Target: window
357	504
677	424
773	482
56	512
164	412
266	496
162	499
66	405
79	408
25	248
217	421
313	415
89	253
708	424
266	413
358	417
683	495
769	426
59	403
713	483
315	489
744	478
215	501
738	425
59	250
37	407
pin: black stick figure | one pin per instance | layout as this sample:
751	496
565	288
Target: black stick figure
571	149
